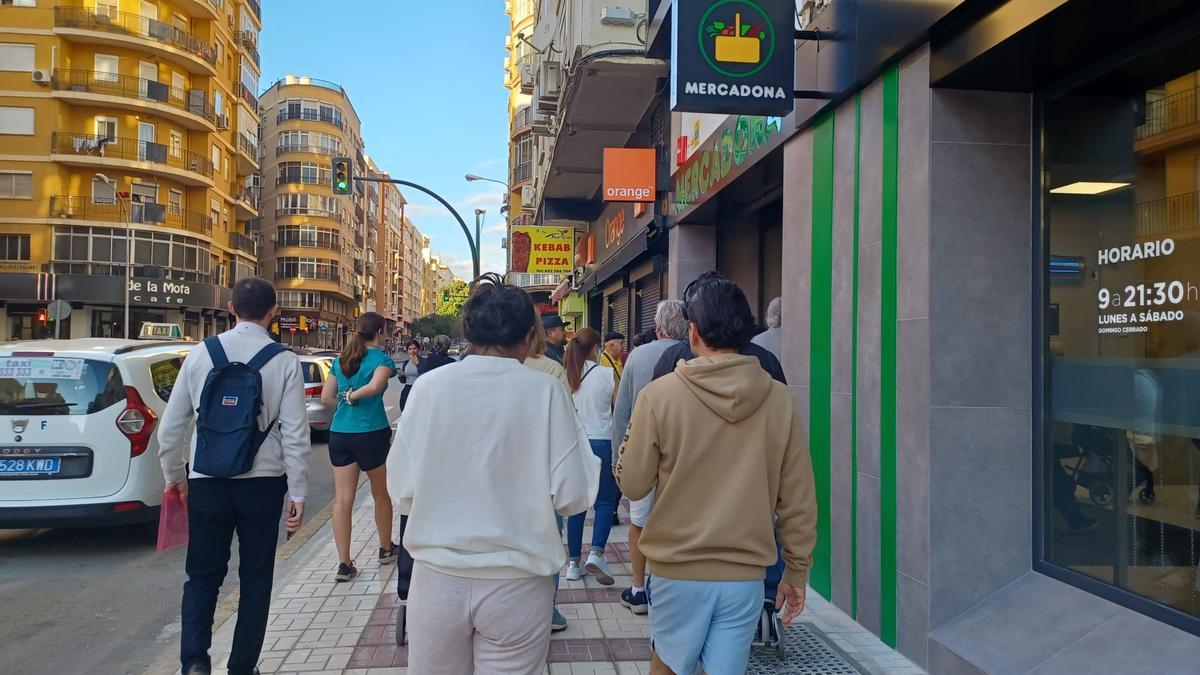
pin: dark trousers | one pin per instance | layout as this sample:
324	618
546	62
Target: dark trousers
218	507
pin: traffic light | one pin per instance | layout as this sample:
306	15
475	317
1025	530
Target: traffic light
42	315
343	173
303	324
445	296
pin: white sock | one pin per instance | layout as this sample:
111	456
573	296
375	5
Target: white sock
638	589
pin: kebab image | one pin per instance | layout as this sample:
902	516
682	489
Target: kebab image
522	247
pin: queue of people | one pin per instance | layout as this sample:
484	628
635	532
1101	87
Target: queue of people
694	426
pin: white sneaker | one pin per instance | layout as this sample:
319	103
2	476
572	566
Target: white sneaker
598	566
574	571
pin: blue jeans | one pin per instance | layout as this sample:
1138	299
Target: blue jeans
606	501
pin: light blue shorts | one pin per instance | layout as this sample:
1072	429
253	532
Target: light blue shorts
704	623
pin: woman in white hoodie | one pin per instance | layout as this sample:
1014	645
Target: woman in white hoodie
481	482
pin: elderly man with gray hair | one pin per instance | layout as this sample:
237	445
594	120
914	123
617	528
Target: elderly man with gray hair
671	329
769	339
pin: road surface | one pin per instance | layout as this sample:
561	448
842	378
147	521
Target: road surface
101	600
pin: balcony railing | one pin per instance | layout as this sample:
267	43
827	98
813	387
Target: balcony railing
1172	112
112	84
135	25
314	213
301	179
308	115
255	8
243	242
522	172
63	143
522	119
287	239
249	97
319	275
283	149
249	196
248	145
1170	215
249	41
122	211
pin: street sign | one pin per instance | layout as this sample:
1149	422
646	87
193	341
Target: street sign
324	327
59	310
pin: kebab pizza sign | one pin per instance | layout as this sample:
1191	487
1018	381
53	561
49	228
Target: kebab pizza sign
543	250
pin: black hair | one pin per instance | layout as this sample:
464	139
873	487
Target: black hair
720	311
253	297
497	314
412	343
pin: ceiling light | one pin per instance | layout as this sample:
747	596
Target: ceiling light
1087	188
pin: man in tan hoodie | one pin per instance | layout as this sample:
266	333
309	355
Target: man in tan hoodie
724	446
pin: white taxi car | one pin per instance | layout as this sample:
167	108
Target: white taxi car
77	430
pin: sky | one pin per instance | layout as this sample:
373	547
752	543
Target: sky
427	81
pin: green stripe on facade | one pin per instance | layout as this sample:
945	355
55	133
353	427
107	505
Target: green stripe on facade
854	367
887	359
820	346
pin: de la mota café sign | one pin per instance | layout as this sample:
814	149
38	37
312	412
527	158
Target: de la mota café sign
733	56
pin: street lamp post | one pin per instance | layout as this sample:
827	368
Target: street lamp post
128	245
471	178
479	213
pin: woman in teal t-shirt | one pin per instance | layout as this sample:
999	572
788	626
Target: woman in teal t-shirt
360	436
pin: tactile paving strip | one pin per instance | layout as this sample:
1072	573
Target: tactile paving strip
806	654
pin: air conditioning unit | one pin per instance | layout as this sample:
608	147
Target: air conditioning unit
222	121
42	76
527	78
527	197
549	83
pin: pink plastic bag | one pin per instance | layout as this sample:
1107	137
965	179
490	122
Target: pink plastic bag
172	522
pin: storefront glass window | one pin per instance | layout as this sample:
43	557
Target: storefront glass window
1122	447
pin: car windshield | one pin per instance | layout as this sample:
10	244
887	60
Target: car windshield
57	386
312	372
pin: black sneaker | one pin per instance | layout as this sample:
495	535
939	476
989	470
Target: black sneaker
346	572
388	555
636	602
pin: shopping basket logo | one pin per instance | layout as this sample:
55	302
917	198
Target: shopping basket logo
736	37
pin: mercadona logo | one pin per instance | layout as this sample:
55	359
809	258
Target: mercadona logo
736	38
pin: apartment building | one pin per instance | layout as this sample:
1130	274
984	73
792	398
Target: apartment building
126	126
520	70
315	244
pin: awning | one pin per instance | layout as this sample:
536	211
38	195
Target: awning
564	289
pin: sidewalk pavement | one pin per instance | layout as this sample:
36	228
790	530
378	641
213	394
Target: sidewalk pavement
319	626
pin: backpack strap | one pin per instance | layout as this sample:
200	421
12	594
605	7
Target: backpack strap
588	372
265	355
216	351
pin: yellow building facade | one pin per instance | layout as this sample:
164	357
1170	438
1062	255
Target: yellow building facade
127	120
315	244
518	79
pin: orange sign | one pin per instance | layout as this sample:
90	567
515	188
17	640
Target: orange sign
629	174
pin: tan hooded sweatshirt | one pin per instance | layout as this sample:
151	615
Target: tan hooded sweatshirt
727	450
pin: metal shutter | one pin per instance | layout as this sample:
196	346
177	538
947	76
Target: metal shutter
618	312
649	294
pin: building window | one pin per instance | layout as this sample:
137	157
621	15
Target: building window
303	172
1121	205
299	300
16	57
20	3
306	268
16	121
307	236
103	192
175	202
102	251
14	247
16	185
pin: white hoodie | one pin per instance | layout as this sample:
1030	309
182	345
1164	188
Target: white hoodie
486	453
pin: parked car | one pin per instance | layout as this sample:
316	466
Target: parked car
77	430
316	369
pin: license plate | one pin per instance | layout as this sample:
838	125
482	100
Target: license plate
30	466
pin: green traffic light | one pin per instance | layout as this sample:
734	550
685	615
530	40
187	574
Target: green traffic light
342	185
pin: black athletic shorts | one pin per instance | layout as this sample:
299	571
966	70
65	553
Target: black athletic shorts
369	449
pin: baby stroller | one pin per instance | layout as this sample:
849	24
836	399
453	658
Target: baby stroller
404	570
1090	455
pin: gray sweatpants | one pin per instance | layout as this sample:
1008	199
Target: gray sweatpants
460	626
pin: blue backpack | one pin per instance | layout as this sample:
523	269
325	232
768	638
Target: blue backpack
227	433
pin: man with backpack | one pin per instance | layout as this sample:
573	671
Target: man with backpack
244	392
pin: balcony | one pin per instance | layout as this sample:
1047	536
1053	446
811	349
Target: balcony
1168	216
249	98
525	280
247	203
247	155
83	208
284	149
86	24
290	237
311	213
249	41
256	9
313	275
301	179
91	88
522	121
97	152
244	243
210	8
522	172
308	116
